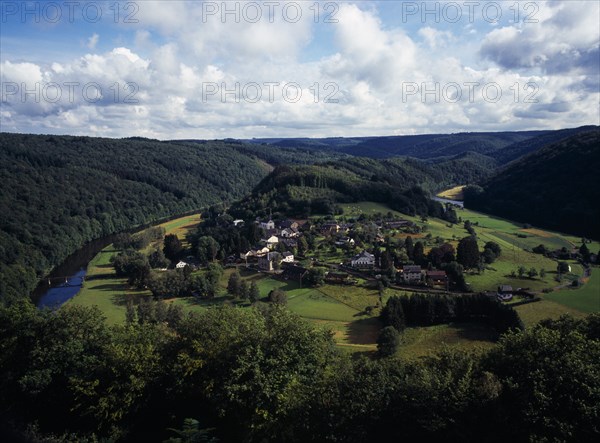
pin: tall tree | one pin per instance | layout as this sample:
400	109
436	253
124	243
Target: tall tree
410	247
393	314
234	285
254	293
419	253
585	253
467	253
172	247
207	249
388	341
158	260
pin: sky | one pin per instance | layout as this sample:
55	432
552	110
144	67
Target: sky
213	69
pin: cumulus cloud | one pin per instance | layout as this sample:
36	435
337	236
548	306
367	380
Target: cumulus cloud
435	38
565	39
185	75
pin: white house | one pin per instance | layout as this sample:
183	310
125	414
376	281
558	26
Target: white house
272	241
181	264
238	222
261	251
288	257
363	260
411	273
345	241
267	225
247	255
289	233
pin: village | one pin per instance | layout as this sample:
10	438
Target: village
392	251
343	252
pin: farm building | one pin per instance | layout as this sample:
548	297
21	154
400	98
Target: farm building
437	277
337	277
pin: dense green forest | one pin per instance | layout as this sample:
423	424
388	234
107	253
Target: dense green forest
419	146
404	184
59	192
519	149
263	374
555	187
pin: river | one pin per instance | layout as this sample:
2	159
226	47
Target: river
458	203
67	278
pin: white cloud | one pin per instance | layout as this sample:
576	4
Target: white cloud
93	41
435	38
565	39
158	85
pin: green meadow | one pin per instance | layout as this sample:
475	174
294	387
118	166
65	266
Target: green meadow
584	299
341	309
102	288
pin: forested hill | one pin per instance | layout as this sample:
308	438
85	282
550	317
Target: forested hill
59	192
403	184
519	149
555	187
502	147
419	146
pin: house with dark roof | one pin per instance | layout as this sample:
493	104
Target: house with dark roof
269	261
293	272
437	277
398	224
287	224
337	277
329	228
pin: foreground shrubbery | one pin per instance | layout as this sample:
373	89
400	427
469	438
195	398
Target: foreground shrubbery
265	375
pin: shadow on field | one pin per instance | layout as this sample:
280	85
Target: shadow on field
474	331
110	287
364	331
122	299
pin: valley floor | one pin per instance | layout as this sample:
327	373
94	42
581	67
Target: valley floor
342	309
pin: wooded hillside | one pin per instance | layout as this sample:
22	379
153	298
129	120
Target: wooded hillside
60	192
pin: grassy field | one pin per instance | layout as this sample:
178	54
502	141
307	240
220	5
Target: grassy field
584	299
455	193
532	313
182	226
422	341
104	289
110	293
341	309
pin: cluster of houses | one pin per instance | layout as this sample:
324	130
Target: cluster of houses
268	257
408	274
285	232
